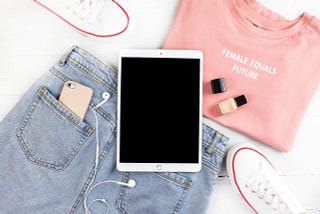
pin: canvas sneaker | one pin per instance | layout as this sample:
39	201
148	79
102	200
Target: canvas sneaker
97	18
255	179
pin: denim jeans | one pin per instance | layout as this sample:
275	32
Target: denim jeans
47	154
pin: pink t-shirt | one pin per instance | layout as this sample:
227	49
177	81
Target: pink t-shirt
274	62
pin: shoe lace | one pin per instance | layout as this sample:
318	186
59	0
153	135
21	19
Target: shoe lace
269	187
86	10
266	189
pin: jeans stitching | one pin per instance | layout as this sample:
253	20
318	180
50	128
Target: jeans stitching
85	185
59	75
87	131
186	184
217	149
91	74
103	114
47	164
215	168
26	147
180	201
99	110
212	165
121	203
91	57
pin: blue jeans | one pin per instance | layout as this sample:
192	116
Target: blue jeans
47	154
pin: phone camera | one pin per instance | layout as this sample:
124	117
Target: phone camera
71	85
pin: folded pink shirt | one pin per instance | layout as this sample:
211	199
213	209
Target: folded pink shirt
274	62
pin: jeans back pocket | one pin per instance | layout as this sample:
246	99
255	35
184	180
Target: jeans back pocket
50	134
156	193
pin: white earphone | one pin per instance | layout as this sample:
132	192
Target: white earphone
131	183
105	96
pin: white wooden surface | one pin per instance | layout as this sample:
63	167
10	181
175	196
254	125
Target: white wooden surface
31	40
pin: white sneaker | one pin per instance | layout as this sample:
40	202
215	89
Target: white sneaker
98	18
257	182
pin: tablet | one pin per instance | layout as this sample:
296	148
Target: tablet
159	119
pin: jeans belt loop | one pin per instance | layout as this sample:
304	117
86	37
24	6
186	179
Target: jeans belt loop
216	139
65	56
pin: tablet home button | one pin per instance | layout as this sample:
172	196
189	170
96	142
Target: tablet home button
159	167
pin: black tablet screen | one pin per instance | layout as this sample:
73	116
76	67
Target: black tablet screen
159	110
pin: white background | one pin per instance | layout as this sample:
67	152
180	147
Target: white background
31	40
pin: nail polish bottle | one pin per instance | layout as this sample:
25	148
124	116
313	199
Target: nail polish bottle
218	86
231	104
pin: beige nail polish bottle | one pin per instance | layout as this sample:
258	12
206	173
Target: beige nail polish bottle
231	104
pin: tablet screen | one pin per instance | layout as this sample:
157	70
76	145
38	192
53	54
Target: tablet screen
159	108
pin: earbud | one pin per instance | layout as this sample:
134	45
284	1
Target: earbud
105	96
131	183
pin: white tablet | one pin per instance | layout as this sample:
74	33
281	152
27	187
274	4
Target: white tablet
159	124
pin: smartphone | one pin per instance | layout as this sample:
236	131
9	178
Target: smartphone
76	97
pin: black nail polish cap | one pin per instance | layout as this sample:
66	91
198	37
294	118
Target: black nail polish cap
241	100
218	86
